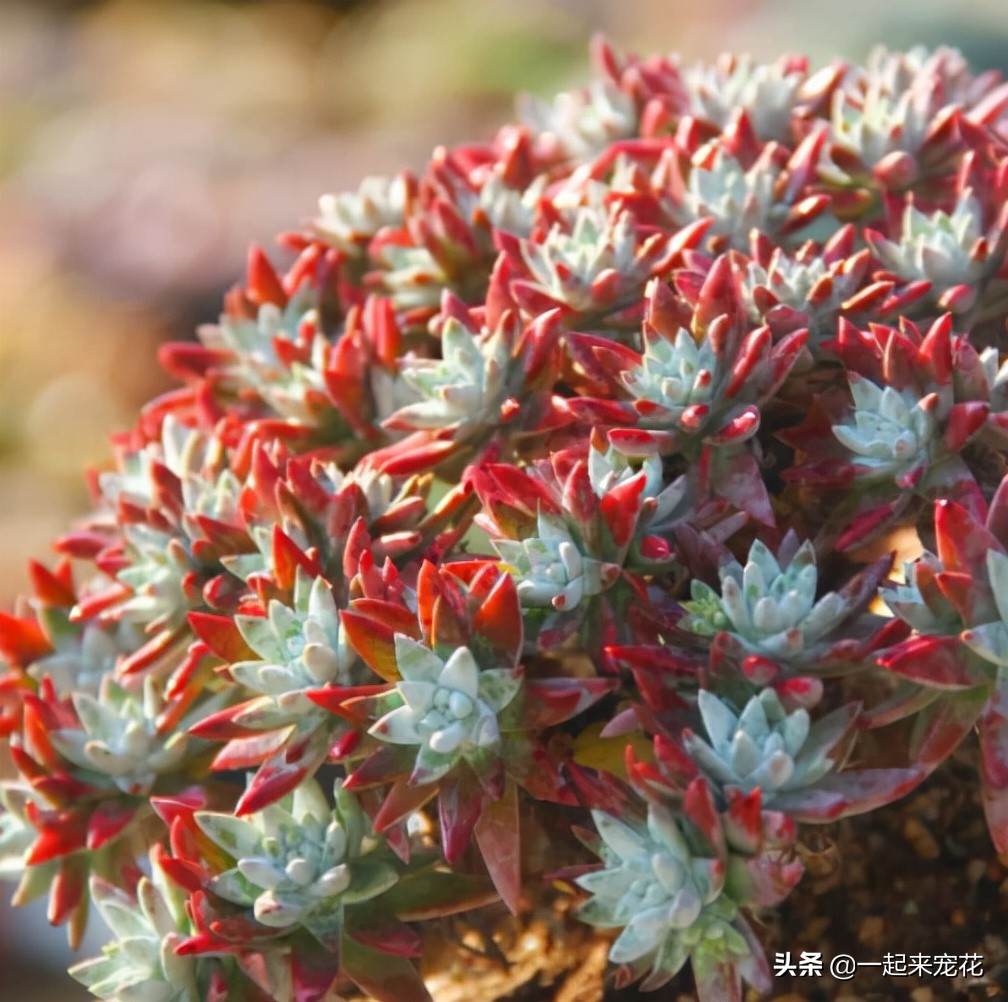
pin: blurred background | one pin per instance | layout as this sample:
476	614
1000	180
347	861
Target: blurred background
145	143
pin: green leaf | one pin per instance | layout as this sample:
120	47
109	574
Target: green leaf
325	923
435	893
238	837
386	978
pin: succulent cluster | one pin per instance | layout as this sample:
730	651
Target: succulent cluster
539	488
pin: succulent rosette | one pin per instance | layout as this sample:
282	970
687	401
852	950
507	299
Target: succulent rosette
560	473
954	669
767	612
763	747
920	400
302	864
813	286
460	722
676	885
141	962
952	252
449	708
694	389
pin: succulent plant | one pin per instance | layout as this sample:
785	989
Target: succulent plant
118	738
738	200
764	747
536	492
550	568
348	220
889	432
300	648
772	610
676	883
666	900
449	708
767	93
302	864
947	250
465	387
954	665
141	962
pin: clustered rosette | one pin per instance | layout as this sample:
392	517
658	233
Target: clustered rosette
534	489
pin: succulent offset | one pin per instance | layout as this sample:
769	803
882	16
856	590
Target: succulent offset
532	503
666	900
300	865
449	708
762	747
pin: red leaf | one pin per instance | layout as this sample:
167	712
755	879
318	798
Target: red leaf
551	701
373	641
402	799
264	286
962	542
939	662
459	807
994	762
244	752
396	617
147	655
699	807
942	725
52	589
67	889
847	793
22	640
222	636
287	558
621	507
498	620
57	837
387	936
313	972
107	821
498	835
388	763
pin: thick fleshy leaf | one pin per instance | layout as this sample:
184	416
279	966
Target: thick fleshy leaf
941	726
385	977
222	636
939	662
278	776
313	972
402	800
385	765
989	641
552	701
997	575
398	727
437	893
383	934
498	622
498	835
994	761
460	804
235	835
856	791
373	641
415	661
